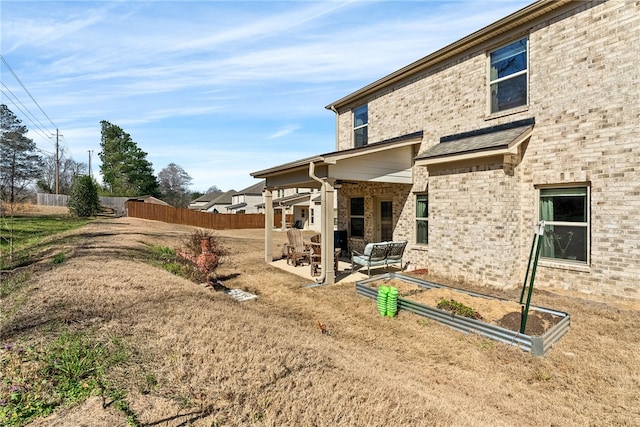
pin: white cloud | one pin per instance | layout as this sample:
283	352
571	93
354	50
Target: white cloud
287	130
220	88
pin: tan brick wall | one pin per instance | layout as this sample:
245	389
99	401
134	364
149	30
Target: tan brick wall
584	77
372	194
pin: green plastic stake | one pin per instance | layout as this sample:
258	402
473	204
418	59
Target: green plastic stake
525	314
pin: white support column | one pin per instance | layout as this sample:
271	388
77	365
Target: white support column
328	275
268	224
326	223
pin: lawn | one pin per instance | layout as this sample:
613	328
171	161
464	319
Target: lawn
187	354
26	231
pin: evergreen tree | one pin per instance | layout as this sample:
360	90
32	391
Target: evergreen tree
125	168
83	198
20	164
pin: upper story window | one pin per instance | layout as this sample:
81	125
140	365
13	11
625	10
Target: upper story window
360	126
508	77
566	215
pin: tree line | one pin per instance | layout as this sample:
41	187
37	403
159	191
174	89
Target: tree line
125	170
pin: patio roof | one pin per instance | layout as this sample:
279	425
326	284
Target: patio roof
339	164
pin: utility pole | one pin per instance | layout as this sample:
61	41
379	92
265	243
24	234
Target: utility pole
90	152
57	163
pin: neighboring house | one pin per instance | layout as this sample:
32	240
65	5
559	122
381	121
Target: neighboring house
534	117
303	204
247	200
216	202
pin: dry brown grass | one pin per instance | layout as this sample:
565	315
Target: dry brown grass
266	361
26	209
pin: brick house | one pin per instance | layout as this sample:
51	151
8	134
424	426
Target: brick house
534	117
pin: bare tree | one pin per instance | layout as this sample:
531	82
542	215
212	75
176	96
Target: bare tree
174	185
69	169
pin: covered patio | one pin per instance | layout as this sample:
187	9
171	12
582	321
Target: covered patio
389	161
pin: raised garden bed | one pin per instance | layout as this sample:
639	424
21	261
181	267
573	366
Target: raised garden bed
500	318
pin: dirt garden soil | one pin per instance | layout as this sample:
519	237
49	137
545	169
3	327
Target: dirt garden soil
267	361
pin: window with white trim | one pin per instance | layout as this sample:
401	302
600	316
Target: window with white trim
508	76
356	217
422	219
565	212
361	126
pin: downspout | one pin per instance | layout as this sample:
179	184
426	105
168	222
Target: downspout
323	191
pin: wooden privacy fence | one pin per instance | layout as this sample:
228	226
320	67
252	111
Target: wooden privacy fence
214	221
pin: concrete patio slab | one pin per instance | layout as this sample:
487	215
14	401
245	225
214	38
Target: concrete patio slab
343	275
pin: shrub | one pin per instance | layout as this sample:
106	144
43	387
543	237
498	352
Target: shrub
192	244
192	248
83	199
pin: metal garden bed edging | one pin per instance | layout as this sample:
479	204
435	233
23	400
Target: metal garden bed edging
537	345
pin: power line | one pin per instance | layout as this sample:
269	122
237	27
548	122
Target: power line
27	114
4	61
57	143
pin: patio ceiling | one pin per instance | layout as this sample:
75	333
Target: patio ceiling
386	161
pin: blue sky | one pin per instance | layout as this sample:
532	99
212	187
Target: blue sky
221	88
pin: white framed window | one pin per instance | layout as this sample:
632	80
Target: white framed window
508	76
356	217
312	215
565	211
422	219
361	126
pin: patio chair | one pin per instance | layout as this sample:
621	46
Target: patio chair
316	256
297	250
